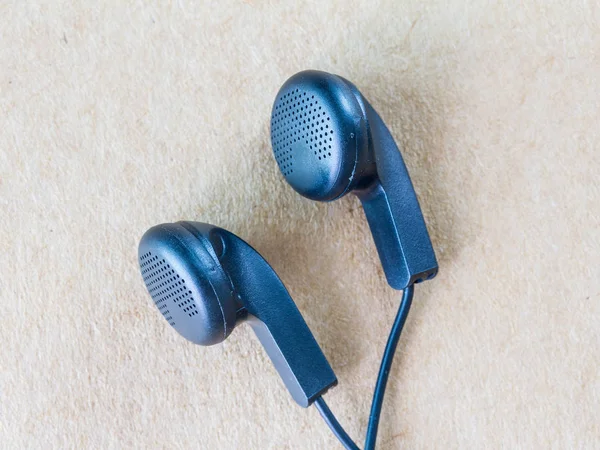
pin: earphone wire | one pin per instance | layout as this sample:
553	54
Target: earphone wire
380	385
334	425
386	365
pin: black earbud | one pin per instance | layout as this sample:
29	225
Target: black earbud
328	141
205	281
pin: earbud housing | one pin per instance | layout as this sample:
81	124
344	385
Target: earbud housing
328	141
205	281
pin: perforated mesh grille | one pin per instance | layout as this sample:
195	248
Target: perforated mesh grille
299	117
167	288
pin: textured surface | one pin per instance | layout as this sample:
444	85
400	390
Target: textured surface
116	118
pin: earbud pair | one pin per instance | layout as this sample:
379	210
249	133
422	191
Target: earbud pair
328	141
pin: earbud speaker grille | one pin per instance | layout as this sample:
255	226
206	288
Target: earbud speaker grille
167	288
299	117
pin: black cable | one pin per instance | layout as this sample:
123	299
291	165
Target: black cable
386	365
380	385
335	426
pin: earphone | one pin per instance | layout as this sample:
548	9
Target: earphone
327	141
206	280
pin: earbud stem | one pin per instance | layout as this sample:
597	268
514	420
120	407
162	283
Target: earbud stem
277	322
394	214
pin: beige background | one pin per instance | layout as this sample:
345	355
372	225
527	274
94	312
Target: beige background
115	118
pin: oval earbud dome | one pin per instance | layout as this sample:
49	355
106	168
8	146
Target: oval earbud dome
317	131
187	283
